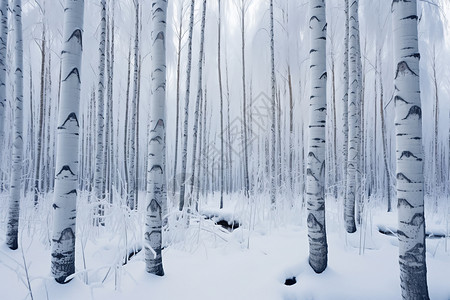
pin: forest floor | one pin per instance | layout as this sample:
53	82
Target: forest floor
206	261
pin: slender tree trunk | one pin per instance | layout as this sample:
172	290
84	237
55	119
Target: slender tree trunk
177	126
186	109
409	152
99	180
315	189
125	132
437	163
273	189
108	104
40	137
229	143
66	174
17	152
112	165
201	151
244	97
222	180
156	185
354	127
334	155
345	102
205	145
3	50
384	138
134	111
291	131
197	102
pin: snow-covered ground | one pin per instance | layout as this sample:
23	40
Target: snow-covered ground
206	261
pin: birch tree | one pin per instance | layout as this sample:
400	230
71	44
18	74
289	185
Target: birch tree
180	35
17	152
40	138
186	109
273	188
315	189
66	174
199	95
345	102
243	11
219	70
353	124
3	48
409	152
99	157
156	185
132	180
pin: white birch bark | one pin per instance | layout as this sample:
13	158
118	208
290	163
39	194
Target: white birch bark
186	109
199	95
3	49
273	188
244	7
17	152
156	184
219	70
177	126
132	180
315	188
66	173
345	102
99	179
409	152
353	124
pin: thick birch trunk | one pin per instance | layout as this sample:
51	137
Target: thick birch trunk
17	152
66	173
318	248
156	185
409	152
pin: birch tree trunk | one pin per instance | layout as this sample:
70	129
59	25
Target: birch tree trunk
219	70
177	126
345	103
125	132
40	136
199	95
315	192
409	152
386	159
3	48
17	152
132	180
186	109
156	185
353	125
273	188
244	7
99	157
66	173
